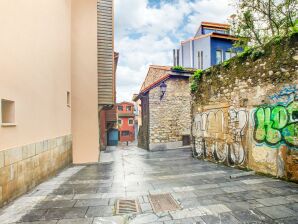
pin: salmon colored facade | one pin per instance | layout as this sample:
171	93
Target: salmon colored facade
54	81
126	127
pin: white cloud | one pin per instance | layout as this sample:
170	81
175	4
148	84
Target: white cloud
144	35
210	11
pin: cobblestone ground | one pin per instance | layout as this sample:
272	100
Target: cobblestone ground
87	194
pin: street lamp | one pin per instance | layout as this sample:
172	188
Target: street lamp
163	89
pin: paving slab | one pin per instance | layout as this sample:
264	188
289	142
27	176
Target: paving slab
277	212
204	191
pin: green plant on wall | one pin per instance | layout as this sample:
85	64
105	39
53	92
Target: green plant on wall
195	79
294	28
226	63
277	124
178	68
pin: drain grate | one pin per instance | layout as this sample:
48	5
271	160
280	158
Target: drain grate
126	207
163	203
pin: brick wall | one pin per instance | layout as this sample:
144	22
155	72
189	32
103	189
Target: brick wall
23	168
246	113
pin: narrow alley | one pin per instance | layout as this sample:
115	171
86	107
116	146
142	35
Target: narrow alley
203	191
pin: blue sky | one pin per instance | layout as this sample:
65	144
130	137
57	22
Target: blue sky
146	31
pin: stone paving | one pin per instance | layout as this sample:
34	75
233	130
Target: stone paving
205	192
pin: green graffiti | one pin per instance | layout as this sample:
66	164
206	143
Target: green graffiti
277	124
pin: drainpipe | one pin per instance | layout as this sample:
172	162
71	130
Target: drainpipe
100	108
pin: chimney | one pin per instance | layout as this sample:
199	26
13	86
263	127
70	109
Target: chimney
178	53
174	57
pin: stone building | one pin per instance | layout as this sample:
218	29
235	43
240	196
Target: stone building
165	101
57	73
245	114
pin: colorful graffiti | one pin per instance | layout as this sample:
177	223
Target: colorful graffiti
287	94
277	124
210	129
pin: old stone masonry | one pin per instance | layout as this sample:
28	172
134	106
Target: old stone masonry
247	115
200	192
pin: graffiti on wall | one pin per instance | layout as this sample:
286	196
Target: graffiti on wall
277	124
287	94
211	129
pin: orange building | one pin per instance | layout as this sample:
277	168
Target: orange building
125	112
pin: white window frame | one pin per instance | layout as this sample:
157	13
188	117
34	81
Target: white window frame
230	54
221	52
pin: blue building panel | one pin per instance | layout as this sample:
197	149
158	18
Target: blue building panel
223	45
211	45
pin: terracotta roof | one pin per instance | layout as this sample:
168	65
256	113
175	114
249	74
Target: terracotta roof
216	25
216	35
155	83
166	68
163	70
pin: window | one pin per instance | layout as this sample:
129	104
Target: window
218	56
119	121
233	54
206	31
68	98
120	108
128	108
130	121
200	59
228	55
124	133
7	112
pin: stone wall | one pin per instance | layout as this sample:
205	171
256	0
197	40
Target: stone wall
23	168
143	135
155	72
170	116
245	112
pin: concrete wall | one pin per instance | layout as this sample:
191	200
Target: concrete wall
85	125
186	51
169	117
203	44
35	69
245	114
35	73
48	51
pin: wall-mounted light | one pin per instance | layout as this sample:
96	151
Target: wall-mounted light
163	89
